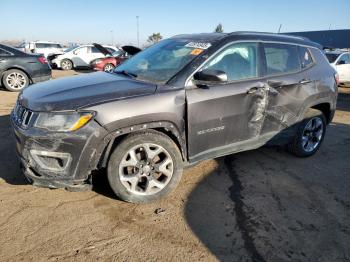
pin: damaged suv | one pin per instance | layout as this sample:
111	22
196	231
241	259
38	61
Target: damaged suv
183	100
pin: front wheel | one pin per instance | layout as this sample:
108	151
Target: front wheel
310	134
145	167
66	64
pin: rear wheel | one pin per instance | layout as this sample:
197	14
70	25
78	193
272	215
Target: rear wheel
15	80
145	167
310	134
108	68
66	64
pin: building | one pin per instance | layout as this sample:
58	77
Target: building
328	38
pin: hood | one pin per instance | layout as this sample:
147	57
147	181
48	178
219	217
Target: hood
102	49
76	92
131	50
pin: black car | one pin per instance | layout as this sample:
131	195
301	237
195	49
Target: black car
19	69
180	101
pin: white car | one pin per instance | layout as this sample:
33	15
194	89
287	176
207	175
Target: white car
340	61
44	48
81	56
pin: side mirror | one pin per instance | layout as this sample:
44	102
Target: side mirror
341	62
210	76
75	53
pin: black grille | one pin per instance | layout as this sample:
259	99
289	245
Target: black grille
21	115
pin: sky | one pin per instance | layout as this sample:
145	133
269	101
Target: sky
86	21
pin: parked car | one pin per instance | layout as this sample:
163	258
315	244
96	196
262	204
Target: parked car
44	48
79	56
19	69
180	101
112	60
340	61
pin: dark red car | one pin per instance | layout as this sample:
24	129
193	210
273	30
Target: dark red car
114	59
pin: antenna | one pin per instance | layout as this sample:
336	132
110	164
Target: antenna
279	29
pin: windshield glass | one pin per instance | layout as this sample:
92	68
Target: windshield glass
160	62
70	48
332	57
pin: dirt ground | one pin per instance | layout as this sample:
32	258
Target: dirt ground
261	205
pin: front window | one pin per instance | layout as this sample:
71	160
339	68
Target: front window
238	61
160	62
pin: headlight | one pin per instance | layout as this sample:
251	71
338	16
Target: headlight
63	122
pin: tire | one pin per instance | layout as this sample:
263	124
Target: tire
154	175
108	68
66	64
15	80
310	134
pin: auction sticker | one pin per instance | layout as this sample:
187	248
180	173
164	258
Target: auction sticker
196	51
198	45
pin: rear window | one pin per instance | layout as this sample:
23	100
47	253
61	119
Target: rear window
332	57
305	57
281	58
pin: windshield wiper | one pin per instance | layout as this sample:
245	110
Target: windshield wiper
123	72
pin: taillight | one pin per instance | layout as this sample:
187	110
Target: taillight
42	60
336	77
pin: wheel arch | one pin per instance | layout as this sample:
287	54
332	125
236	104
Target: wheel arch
115	137
325	108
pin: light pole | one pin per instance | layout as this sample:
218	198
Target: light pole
138	33
112	37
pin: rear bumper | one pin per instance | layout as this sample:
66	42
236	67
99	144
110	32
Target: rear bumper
41	78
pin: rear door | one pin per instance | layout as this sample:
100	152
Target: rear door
81	56
343	68
289	83
222	117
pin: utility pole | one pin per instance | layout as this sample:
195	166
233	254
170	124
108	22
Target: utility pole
112	37
279	29
138	33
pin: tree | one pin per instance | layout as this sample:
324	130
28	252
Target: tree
154	38
219	28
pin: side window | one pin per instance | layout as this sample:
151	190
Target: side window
4	52
281	58
305	57
345	58
94	50
238	61
81	51
110	49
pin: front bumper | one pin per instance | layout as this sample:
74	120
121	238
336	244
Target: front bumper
59	160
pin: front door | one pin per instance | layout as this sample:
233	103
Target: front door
226	117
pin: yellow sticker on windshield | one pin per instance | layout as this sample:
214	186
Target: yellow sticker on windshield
196	51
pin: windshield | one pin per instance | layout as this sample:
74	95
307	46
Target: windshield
332	57
160	62
70	48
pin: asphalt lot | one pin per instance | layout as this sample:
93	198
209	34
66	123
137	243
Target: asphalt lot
261	205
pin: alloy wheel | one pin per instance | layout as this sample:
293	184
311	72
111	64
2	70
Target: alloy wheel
16	80
312	134
146	169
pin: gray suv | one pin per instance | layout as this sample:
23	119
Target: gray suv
180	101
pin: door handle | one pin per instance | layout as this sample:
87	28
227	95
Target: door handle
305	81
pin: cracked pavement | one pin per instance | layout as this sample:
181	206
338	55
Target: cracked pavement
261	205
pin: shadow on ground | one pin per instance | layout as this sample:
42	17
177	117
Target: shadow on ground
9	163
267	205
